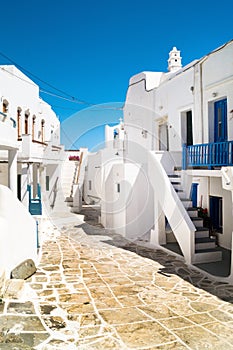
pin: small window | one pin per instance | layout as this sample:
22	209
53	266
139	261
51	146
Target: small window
5	105
118	188
116	133
47	183
89	185
26	124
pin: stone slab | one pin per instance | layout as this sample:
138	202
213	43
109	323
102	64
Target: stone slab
24	270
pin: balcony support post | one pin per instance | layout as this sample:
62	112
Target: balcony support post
12	170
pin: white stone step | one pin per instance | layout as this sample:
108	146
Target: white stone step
187	203
193	213
177	186
204	246
181	194
205	243
207	256
174	177
198	222
202	232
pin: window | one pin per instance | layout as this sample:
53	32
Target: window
5	105
89	185
118	188
47	182
33	127
19	123
19	178
26	124
116	133
42	130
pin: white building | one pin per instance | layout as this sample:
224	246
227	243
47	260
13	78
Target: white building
31	159
38	137
176	160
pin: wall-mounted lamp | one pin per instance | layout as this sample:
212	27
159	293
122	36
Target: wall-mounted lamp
144	133
192	88
231	112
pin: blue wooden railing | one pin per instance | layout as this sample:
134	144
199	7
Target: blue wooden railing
208	155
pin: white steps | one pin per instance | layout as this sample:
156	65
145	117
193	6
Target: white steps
206	249
208	255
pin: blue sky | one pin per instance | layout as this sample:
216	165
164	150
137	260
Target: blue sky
89	49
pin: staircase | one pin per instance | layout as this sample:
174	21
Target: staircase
73	174
68	176
206	249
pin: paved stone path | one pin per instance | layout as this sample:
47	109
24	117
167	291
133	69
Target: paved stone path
96	290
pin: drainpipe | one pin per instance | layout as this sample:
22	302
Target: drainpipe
201	92
227	184
12	170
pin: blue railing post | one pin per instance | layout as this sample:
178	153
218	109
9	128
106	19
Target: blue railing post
184	156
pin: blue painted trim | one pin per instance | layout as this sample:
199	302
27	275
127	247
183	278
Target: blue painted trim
193	193
184	157
220	106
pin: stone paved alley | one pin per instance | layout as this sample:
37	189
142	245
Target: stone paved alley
96	290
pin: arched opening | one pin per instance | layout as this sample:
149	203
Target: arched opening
33	127
5	106
19	110
42	130
26	123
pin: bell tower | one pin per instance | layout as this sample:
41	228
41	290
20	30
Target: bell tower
174	61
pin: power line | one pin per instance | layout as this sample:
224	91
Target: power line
69	97
45	82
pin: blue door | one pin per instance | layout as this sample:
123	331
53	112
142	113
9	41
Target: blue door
216	213
220	121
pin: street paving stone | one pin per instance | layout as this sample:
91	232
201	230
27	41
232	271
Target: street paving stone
95	290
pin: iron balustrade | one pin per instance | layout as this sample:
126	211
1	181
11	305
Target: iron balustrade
209	155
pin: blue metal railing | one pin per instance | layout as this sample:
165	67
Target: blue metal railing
208	155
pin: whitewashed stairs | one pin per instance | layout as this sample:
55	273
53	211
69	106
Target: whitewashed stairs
206	249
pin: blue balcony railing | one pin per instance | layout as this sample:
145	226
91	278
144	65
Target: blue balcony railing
209	155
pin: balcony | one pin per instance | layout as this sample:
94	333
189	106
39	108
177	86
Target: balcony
7	132
209	155
38	151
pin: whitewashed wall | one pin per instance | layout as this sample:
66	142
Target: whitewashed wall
18	237
92	183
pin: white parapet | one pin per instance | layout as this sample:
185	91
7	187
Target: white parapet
18	232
